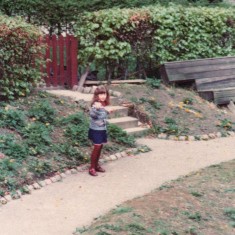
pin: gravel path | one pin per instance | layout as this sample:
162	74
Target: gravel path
59	208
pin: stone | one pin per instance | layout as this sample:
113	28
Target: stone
205	137
74	171
19	192
30	187
124	154
75	88
107	158
8	197
36	186
42	183
68	172
182	138
191	138
219	134
53	179
118	155
231	133
48	181
162	136
3	200
212	136
171	137
15	196
63	175
113	157
87	90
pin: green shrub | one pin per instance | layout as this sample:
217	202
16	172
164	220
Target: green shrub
10	147
20	47
37	137
118	135
42	111
13	119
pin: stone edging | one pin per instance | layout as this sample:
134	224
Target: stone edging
60	176
196	137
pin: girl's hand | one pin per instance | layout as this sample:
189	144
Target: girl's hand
97	105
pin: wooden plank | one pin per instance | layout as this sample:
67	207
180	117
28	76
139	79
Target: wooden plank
199	62
199	69
61	53
48	61
54	60
207	74
132	81
224	96
209	84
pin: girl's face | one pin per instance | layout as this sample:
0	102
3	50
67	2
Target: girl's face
102	97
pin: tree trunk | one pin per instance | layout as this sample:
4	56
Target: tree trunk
83	77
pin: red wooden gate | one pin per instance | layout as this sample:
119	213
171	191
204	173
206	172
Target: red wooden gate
61	61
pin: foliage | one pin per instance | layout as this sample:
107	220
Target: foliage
42	111
118	135
59	15
153	83
144	38
13	119
20	47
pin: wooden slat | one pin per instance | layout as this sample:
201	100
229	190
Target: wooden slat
208	61
54	60
209	84
224	96
74	63
61	53
199	69
115	82
206	74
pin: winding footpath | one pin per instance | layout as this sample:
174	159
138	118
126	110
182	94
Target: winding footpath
59	208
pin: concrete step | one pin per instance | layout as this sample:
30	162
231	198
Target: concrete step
136	131
118	111
124	122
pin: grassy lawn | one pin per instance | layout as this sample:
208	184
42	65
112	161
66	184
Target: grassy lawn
201	203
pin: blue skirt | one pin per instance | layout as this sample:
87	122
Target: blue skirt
97	136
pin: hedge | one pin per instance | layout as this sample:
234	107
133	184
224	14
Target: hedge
20	47
147	37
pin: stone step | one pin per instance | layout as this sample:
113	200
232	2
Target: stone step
124	122
118	111
136	131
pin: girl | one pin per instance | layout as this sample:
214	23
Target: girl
98	129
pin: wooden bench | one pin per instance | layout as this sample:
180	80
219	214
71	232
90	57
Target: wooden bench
214	77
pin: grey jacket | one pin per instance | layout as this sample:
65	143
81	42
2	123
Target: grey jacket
98	118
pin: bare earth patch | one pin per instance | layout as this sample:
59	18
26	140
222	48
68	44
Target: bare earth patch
198	204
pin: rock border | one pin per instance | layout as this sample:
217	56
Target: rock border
58	177
204	137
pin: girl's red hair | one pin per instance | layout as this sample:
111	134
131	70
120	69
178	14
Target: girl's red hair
101	90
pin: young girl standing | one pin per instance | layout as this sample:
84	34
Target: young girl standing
98	128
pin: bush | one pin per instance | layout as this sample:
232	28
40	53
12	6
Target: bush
119	136
20	47
144	38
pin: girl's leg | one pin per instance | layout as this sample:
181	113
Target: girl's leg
94	156
98	167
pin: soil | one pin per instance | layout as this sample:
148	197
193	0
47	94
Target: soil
200	203
191	114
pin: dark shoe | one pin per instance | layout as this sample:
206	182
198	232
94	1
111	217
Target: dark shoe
100	169
93	172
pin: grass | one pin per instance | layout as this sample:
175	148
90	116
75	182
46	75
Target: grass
197	204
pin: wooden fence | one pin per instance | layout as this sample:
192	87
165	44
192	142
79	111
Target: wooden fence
61	66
